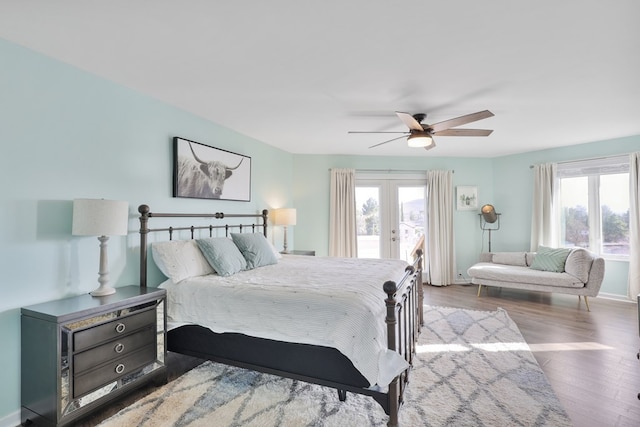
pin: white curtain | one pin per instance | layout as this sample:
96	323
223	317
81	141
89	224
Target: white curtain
342	216
634	225
542	215
440	254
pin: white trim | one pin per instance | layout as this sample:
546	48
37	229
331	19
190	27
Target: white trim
11	420
599	166
616	297
391	176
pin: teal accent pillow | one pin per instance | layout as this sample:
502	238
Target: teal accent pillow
550	259
255	248
223	255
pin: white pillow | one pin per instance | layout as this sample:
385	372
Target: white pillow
180	259
510	258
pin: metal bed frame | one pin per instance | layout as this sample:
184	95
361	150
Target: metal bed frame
313	364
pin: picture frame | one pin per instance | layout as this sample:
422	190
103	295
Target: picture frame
204	172
466	198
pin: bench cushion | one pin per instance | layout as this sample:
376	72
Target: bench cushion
518	274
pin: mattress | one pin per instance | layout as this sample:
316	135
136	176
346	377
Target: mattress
326	301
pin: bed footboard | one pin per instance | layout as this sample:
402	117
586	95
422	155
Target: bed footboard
404	320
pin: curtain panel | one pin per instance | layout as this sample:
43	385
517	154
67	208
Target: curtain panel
440	256
634	225
542	214
343	233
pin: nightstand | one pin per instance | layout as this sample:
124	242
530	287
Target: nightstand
81	353
299	252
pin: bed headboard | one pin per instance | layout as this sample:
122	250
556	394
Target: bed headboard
146	214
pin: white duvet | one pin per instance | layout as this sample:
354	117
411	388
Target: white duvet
333	302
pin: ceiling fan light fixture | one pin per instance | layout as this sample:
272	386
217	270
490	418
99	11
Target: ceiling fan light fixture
420	140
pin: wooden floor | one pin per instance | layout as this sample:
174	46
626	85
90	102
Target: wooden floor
588	357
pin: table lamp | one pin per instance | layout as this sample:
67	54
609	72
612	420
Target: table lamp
102	218
284	217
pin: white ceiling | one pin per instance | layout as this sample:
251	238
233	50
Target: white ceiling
299	75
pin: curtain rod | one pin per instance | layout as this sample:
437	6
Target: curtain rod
390	171
590	158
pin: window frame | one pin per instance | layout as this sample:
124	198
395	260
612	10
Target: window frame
593	170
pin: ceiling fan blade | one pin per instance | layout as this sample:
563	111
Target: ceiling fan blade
376	131
464	132
410	121
384	142
429	147
462	120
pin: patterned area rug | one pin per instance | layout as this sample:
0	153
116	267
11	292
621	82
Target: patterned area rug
473	368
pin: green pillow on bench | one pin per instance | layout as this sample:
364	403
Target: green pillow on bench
550	259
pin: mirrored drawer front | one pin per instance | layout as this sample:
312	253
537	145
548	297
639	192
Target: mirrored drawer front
92	380
115	349
118	327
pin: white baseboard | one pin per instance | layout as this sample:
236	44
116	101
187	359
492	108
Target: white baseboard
11	420
616	297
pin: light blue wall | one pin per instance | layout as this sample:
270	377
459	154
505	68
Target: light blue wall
311	193
67	134
506	182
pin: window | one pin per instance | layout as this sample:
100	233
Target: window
593	201
390	215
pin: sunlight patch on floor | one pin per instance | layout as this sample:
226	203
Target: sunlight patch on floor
567	346
441	348
511	346
502	346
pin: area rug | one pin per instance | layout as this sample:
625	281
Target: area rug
473	368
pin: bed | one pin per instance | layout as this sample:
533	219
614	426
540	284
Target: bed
349	324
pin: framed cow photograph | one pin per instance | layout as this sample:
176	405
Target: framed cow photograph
204	172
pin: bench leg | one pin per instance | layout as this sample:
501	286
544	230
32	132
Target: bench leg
586	302
479	289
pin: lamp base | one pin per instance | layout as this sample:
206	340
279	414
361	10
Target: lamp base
103	274
103	291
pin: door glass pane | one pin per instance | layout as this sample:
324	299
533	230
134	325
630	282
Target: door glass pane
411	218
574	202
368	221
614	202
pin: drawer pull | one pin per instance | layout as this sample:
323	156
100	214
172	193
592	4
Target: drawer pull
120	327
119	348
119	368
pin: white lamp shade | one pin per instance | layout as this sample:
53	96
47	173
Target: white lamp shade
100	217
284	216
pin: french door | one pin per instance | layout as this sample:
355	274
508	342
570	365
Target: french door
391	216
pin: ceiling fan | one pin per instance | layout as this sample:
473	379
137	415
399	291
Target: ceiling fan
421	135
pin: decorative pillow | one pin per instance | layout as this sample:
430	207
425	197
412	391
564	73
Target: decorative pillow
579	263
255	248
550	259
510	258
180	259
223	255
